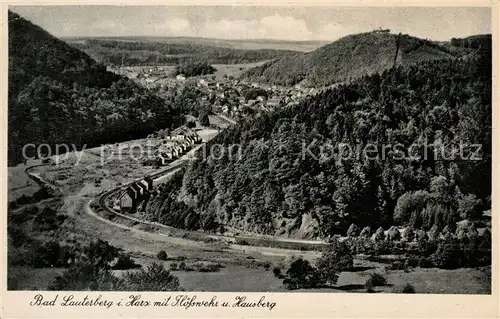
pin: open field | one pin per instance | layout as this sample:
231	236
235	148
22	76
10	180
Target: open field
234	69
19	183
253	277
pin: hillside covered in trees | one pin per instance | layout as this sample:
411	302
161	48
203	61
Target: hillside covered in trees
113	52
277	187
58	94
350	57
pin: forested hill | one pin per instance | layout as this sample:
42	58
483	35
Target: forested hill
350	57
58	94
144	52
278	187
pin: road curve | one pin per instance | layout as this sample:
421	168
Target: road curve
175	166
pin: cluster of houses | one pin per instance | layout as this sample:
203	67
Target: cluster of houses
176	144
171	147
128	199
229	98
137	192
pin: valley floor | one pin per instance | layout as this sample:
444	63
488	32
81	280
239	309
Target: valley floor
245	268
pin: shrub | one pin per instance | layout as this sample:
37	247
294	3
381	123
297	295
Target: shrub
173	266
154	278
484	249
409	202
469	207
369	285
182	265
433	233
384	247
396	265
86	276
267	266
408	289
47	254
125	262
48	220
448	254
409	234
162	255
277	272
100	253
204	120
206	267
421	235
333	261
447	231
378	280
301	275
393	234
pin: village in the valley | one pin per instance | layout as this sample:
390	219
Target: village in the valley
226	94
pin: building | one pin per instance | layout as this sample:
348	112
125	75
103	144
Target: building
143	187
180	77
128	199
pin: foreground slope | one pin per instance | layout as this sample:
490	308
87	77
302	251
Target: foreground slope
283	185
348	58
58	94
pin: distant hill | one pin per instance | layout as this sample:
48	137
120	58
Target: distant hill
349	57
239	44
168	51
58	94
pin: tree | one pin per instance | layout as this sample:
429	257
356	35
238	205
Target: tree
408	203
365	232
204	120
469	207
393	234
352	231
300	275
409	234
100	253
162	255
379	234
154	278
448	254
86	276
332	262
277	272
433	233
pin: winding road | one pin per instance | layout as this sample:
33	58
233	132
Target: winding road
267	240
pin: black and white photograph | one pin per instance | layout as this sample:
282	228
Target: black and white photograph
229	148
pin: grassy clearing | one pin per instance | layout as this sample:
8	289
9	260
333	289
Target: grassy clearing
19	183
234	69
27	278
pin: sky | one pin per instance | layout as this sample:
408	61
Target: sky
243	22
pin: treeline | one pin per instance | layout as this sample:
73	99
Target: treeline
194	68
58	94
112	52
474	42
430	106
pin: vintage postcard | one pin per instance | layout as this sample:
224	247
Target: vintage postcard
249	159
